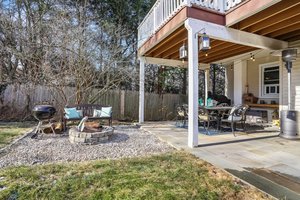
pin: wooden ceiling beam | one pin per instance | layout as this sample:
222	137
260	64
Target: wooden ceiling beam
221	52
221	47
174	49
168	39
290	36
216	57
214	44
293	12
169	45
228	55
294	38
280	7
292	28
280	25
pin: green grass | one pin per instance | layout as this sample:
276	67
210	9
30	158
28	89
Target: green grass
174	175
10	131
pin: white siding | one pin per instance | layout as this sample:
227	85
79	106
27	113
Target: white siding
253	76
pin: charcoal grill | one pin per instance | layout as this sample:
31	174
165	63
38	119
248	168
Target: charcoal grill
43	113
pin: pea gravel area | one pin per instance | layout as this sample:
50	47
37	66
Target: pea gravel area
127	141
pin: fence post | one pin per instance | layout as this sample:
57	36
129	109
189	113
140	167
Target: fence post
122	104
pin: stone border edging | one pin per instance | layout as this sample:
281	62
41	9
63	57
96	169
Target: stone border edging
7	147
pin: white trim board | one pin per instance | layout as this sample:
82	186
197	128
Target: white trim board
172	63
277	63
224	33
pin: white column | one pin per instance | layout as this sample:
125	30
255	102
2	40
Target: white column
240	75
206	85
229	83
142	90
193	86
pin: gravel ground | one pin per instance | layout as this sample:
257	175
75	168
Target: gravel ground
126	142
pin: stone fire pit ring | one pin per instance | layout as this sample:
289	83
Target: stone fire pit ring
90	137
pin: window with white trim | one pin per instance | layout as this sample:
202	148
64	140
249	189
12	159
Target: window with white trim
270	80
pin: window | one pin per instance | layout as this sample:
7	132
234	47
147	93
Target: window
270	80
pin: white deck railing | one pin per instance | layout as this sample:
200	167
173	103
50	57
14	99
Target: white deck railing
163	10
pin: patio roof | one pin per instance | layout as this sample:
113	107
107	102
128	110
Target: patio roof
168	48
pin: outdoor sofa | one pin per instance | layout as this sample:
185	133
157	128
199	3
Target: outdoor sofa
92	111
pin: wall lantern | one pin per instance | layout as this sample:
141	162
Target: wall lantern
204	42
183	52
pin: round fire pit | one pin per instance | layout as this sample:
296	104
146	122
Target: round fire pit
90	135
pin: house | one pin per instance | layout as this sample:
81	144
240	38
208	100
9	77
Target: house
246	36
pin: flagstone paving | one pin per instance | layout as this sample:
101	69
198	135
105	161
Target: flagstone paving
263	158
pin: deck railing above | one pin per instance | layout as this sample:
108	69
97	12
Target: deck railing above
163	10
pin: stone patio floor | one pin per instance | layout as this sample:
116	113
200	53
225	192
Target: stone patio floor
260	158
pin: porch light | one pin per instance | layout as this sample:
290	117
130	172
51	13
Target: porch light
204	42
252	57
183	53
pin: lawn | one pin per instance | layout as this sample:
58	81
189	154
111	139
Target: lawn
176	175
10	131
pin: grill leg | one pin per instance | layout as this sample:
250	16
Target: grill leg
38	127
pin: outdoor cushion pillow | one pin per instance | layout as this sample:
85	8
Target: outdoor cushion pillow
80	112
106	112
96	113
71	113
234	118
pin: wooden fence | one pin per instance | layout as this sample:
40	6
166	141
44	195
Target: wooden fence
21	99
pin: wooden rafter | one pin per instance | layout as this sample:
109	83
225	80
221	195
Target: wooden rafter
280	7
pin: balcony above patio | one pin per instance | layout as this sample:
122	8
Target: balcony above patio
163	30
163	10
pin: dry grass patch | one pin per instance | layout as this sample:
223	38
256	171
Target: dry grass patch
11	130
176	175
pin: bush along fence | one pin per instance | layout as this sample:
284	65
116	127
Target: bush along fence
18	100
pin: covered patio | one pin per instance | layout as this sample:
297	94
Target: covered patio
262	159
236	37
228	46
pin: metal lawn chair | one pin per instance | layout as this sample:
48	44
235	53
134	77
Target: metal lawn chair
236	115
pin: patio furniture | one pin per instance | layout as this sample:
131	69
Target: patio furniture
269	109
216	111
223	105
206	117
92	111
236	115
182	115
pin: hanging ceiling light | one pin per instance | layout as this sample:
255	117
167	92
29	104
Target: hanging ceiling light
252	57
183	53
